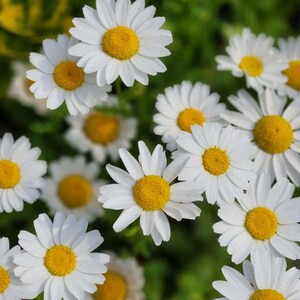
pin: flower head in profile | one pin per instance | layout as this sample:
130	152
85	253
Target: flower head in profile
147	191
120	38
255	58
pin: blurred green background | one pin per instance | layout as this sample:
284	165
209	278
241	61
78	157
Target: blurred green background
185	267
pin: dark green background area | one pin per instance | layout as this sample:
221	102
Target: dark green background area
184	268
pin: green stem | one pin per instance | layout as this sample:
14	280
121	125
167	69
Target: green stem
121	97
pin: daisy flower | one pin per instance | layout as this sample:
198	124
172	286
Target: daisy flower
265	217
120	38
265	278
73	188
58	260
183	106
20	173
274	130
219	160
290	51
101	133
11	287
19	88
254	57
146	191
124	280
58	78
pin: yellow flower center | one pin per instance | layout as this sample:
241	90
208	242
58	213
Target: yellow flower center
114	288
215	161
273	134
293	74
68	75
188	117
60	260
4	280
151	192
102	128
252	65
120	42
267	294
10	174
261	223
75	191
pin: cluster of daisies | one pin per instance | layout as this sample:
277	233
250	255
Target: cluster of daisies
246	161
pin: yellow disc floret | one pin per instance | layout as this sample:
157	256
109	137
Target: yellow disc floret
215	161
60	260
267	294
101	128
68	75
293	74
151	192
120	42
10	174
261	223
188	117
252	65
4	280
114	288
75	191
273	134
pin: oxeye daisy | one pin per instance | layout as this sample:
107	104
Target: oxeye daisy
101	132
58	260
255	58
264	217
124	280
219	160
274	130
73	188
265	278
11	288
147	191
20	173
290	51
183	106
120	38
58	78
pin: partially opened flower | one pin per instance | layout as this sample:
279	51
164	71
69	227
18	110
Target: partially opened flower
73	188
147	191
58	259
121	38
265	217
59	79
20	173
265	278
124	280
255	58
183	106
274	129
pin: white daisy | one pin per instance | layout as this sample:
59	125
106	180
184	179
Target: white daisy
274	130
256	58
265	278
20	173
124	280
147	191
121	39
11	287
19	88
73	188
101	133
183	106
58	260
265	217
59	79
219	159
290	51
